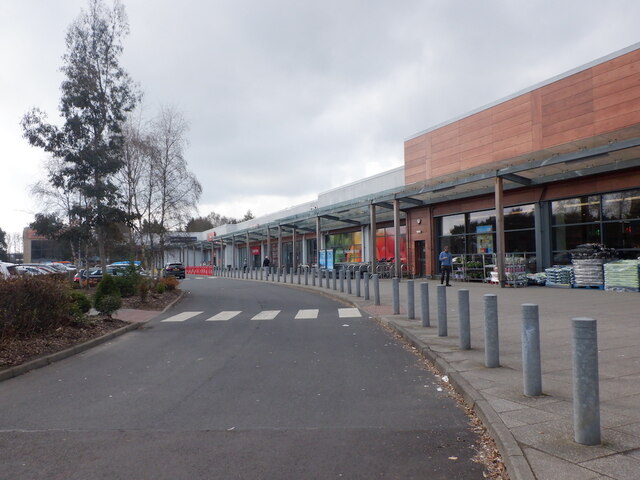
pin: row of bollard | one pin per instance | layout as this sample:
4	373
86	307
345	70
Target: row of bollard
586	402
318	276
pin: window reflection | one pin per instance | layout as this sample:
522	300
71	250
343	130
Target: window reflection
576	210
621	205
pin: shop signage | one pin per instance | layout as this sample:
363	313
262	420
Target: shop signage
255	250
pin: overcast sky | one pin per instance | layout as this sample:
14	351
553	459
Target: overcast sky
289	98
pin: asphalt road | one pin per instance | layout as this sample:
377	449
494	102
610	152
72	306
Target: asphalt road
230	396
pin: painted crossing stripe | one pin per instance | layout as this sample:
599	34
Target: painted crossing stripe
349	313
310	313
266	315
224	316
181	317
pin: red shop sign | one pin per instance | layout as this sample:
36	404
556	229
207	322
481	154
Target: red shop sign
255	250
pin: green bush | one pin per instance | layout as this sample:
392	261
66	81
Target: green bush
143	289
161	287
126	285
106	288
108	304
80	301
33	304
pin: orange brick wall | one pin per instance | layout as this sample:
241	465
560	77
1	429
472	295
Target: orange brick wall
601	99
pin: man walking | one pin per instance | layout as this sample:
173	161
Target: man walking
446	262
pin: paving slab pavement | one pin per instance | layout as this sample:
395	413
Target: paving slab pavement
535	434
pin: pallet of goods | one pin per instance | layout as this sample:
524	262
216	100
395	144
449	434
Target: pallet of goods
588	262
559	276
622	275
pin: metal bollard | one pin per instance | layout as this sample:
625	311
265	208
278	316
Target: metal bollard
531	369
491	339
357	279
442	310
464	319
376	289
290	274
424	304
395	284
411	300
586	388
306	276
313	276
334	279
341	273
262	274
299	276
366	285
348	282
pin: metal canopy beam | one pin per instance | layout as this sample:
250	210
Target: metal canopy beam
413	201
386	205
517	178
338	219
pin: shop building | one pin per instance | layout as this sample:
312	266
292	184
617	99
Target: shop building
525	179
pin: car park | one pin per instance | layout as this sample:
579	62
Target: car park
175	269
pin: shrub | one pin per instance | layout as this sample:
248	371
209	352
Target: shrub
80	301
106	288
126	285
161	287
33	304
143	289
108	304
171	283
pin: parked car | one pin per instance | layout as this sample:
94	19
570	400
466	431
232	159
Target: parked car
175	269
45	269
29	270
7	269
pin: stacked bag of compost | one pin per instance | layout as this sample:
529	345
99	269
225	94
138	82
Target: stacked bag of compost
559	276
588	261
622	275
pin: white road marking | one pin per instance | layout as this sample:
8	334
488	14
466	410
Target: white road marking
266	315
224	316
181	317
310	313
349	313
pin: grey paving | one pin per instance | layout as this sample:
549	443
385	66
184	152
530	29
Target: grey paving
535	434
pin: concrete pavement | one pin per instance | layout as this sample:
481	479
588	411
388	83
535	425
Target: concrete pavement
534	434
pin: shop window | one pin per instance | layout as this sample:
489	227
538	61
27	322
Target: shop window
621	205
576	210
522	241
520	217
456	244
622	235
347	246
452	225
486	218
570	236
385	244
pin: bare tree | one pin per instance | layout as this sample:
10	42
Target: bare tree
177	189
